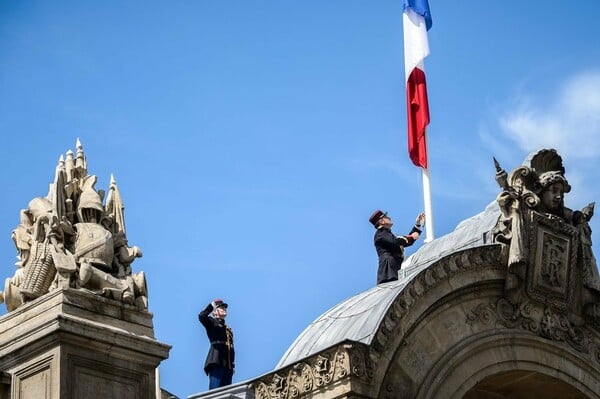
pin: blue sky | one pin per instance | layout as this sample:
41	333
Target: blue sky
251	140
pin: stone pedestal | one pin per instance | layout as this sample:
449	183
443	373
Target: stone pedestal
71	344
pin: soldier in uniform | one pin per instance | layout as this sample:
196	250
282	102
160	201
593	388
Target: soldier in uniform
390	247
220	361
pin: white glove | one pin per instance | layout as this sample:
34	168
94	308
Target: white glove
420	220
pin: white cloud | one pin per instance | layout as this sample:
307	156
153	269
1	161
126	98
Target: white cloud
568	121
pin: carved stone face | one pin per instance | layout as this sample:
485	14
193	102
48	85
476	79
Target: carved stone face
553	197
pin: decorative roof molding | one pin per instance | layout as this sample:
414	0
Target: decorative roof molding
341	364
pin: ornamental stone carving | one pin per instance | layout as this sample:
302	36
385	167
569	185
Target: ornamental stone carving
550	259
541	321
70	239
337	365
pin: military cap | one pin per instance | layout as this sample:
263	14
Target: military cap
217	303
378	214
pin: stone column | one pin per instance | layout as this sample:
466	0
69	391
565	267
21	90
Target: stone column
72	344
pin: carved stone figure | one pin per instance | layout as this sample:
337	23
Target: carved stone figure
549	246
69	239
35	266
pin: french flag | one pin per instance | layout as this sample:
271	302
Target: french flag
416	22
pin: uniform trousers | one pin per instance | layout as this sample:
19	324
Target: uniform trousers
219	377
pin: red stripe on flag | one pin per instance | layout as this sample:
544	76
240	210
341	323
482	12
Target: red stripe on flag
418	117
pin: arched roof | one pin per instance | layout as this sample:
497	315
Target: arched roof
359	317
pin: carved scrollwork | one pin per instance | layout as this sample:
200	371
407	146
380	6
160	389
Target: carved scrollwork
482	313
542	322
557	327
341	367
301	379
323	370
360	364
524	184
276	388
314	373
502	313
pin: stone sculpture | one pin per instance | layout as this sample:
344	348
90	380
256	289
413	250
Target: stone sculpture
550	258
69	239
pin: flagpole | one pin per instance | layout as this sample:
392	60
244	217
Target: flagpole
416	22
429	233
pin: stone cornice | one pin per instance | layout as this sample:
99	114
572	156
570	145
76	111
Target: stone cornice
338	365
79	317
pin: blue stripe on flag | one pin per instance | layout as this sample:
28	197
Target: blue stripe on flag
421	7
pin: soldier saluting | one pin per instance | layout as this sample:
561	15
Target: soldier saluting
220	361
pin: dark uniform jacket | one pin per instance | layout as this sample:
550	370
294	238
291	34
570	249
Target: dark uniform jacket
221	352
390	249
